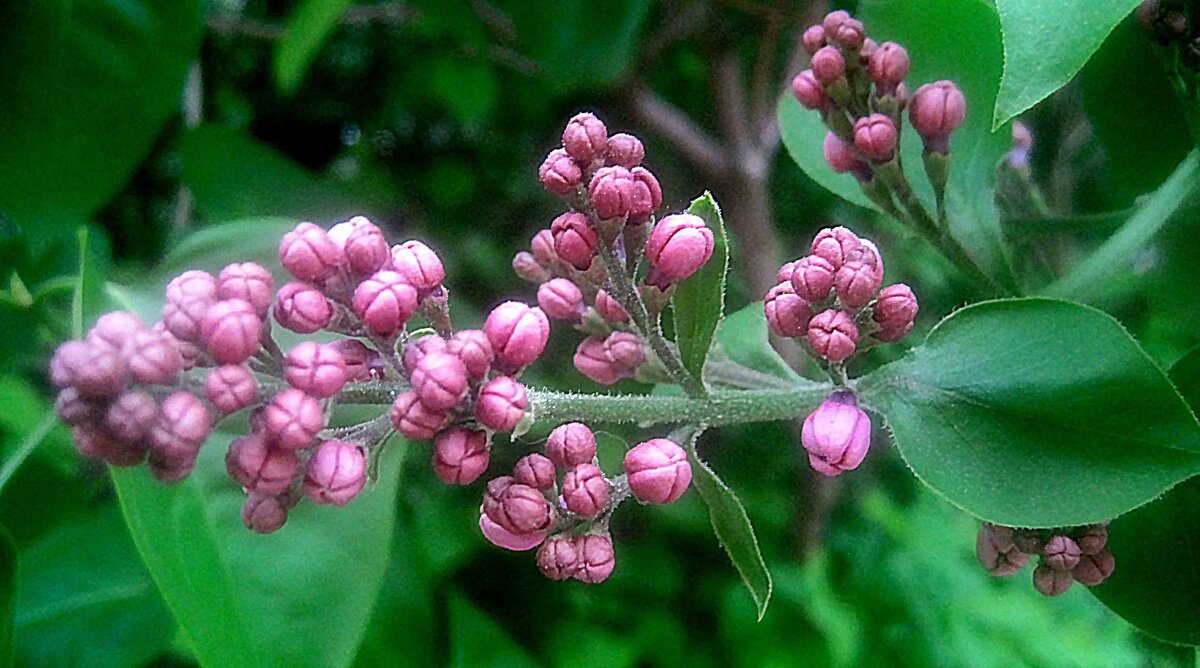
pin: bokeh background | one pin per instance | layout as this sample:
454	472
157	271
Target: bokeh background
188	132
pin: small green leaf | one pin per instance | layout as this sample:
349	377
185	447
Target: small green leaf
1036	413
733	529
1040	54
743	336
8	595
307	30
699	301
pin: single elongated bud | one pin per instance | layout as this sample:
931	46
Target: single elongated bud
828	65
679	245
609	308
574	239
1061	553
596	557
615	193
813	277
658	471
500	537
585	491
302	308
292	419
460	455
520	509
625	351
336	473
474	349
526	266
647	194
230	388
502	404
258	467
534	470
309	254
385	302
936	110
319	370
570	445
837	434
231	331
559	174
154	358
413	420
841	157
888	65
875	136
518	334
857	282
585	138
250	282
131	416
419	266
625	150
895	307
440	380
787	312
365	248
1094	569
1051	581
833	335
542	245
809	91
561	299
558	558
592	360
813	38
188	297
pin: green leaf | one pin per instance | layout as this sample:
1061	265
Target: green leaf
699	301
298	597
743	336
1040	56
468	88
478	640
733	529
8	594
307	30
1036	413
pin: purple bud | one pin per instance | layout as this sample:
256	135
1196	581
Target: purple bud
857	282
183	426
520	509
460	455
292	419
679	245
813	277
836	435
230	388
309	254
302	308
609	308
417	349
896	307
570	445
585	138
936	110
559	174
809	91
154	358
188	297
889	65
364	246
542	245
528	268
1094	569
625	150
131	416
336	473
647	194
813	38
841	157
94	368
1093	539
534	470
787	312
264	513
117	329
658	471
419	265
585	491
1051	581
835	245
99	443
591	359
561	299
996	552
596	558
875	136
248	281
231	331
473	348
258	467
834	20
385	301
413	420
440	380
75	410
574	239
317	369
850	35
501	404
613	191
625	352
362	362
558	557
1061	553
828	65
500	537
518	334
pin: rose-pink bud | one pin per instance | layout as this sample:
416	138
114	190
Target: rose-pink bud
936	110
809	91
542	245
592	360
625	351
996	552
231	331
520	509
183	426
850	35
188	297
317	369
833	334
230	388
419	265
460	455
248	281
833	20
1051	581
869	46
365	248
473	348
302	308
558	557
585	138
518	334
117	328
417	349
1094	569
612	191
440	380
559	174
258	467
647	194
534	470
95	368
74	409
309	254
835	245
625	150
362	363
131	416
561	299
1061	553
526	266
292	419
813	38
500	537
857	283
264	513
813	277
875	137
658	471
889	65
385	301
828	65
501	404
154	358
596	557
336	473
841	157
585	491
1093	539
570	445
837	434
413	420
609	308
787	312
679	245
574	239
895	307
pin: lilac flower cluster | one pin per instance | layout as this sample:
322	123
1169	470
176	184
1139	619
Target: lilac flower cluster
1067	555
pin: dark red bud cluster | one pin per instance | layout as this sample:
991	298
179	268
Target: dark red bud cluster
1067	555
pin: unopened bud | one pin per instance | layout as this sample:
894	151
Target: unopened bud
850	35
365	248
440	380
596	557
131	416
264	513
561	299
188	297
460	455
936	110
518	334
995	550
302	308
317	369
658	471
502	404
258	467
896	307
609	308
292	419
534	470
154	358
889	65
336	473
585	491
385	302
875	136
570	445
520	509
835	245
585	138
413	420
74	409
809	92
787	312
1094	569
615	193
841	157
558	557
248	281
559	174
828	65
419	266
813	277
1051	581
96	369
834	20
1061	553
625	150
362	363
592	360
473	348
1093	539
528	268
183	426
679	245
857	283
500	537
813	38
574	239
309	254
230	388
837	434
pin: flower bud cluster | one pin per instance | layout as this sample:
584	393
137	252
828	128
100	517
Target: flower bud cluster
1066	555
832	297
568	515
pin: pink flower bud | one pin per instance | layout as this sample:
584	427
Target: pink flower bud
867	50
559	174
99	443
833	335
518	334
248	281
1061	553
230	388
574	239
857	282
1093	539
893	334
585	138
592	360
460	455
264	513
417	349
520	509
570	445
117	329
362	362
834	20
679	245
502	538
542	246
596	558
170	471
309	254
501	404
841	157
995	550
131	416
875	136
813	277
231	331
625	150
534	470
317	369
836	435
835	245
809	91
473	348
154	358
413	420
258	467
188	297
302	308
336	473
419	265
850	35
440	380
936	110
558	557
889	65
828	65
75	410
613	191
94	368
647	194
526	266
1051	581
787	312
585	491
292	419
609	308
365	248
385	301
1094	569
625	352
813	38
896	307
561	299
658	471
183	426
